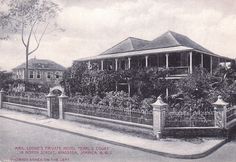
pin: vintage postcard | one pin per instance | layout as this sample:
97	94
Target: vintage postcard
117	80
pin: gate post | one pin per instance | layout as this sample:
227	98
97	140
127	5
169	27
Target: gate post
62	103
159	110
220	108
50	98
1	97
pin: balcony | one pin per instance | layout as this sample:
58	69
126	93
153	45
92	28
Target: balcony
179	71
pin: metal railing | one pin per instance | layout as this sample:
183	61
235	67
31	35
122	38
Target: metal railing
231	114
187	119
42	102
117	113
181	70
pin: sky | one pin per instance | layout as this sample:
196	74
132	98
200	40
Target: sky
93	26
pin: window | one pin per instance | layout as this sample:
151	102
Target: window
49	75
31	74
57	75
38	75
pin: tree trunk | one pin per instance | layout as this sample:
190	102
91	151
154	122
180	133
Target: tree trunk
26	67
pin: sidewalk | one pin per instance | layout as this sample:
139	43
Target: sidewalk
170	147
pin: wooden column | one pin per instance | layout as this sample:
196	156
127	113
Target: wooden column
129	89
89	65
202	61
167	60
116	68
116	86
167	92
129	63
190	62
146	61
102	65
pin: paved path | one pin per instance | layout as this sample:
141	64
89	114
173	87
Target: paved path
17	136
168	147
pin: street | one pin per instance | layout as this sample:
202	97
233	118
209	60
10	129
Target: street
25	142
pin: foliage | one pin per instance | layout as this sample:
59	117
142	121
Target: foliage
146	82
196	85
12	86
193	92
225	84
5	79
115	99
200	89
72	78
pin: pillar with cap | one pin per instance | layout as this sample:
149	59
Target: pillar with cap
1	97
220	108
159	109
62	104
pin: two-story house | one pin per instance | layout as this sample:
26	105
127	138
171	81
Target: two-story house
170	50
40	71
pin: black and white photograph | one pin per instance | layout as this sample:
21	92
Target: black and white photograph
117	80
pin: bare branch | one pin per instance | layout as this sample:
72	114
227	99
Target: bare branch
22	35
39	41
31	30
34	32
35	37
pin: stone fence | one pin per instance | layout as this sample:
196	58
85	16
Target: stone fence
159	115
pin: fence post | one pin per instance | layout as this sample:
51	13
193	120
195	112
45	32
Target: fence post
1	97
159	109
220	109
62	103
50	97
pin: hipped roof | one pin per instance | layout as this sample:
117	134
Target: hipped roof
172	39
129	44
167	42
41	64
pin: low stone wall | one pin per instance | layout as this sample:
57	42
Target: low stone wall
191	132
24	108
128	127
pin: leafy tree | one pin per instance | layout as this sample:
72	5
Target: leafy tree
225	83
144	82
193	92
31	19
5	79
